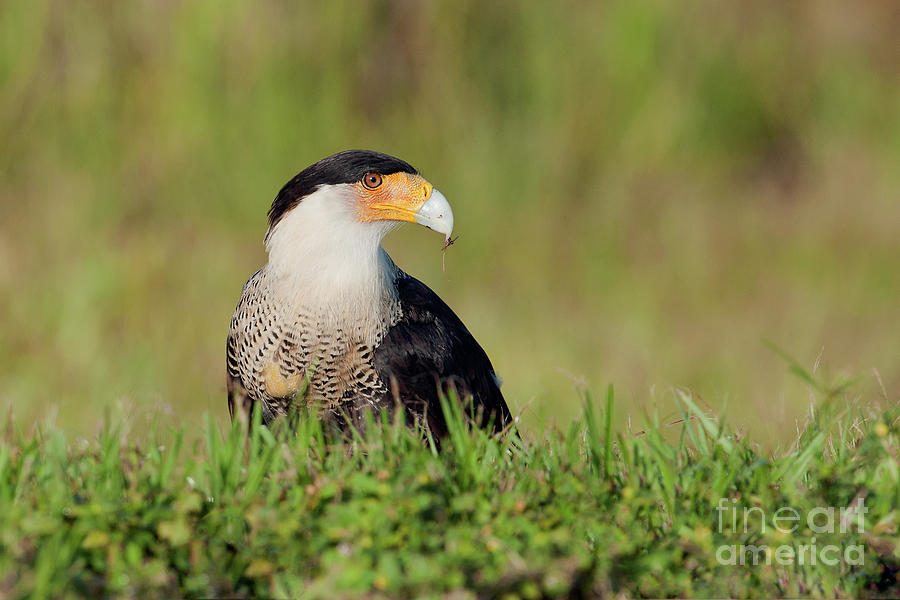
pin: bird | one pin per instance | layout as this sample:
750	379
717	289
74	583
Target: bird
331	322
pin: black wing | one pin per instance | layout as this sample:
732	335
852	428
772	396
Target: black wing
428	352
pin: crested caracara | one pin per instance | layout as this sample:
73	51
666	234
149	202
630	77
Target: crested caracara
331	320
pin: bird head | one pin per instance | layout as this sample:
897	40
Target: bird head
365	188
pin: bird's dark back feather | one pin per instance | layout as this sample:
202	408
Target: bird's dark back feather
428	352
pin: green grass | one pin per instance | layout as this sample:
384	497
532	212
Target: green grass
582	511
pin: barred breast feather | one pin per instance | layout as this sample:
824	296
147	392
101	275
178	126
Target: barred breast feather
274	352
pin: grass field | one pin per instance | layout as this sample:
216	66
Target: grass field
582	513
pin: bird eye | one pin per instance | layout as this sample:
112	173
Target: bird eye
372	180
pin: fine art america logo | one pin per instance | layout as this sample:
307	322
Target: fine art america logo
823	520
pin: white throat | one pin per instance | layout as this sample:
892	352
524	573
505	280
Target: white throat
323	259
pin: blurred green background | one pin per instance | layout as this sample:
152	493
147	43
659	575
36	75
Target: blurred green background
643	190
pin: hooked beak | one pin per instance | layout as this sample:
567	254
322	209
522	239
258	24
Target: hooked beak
436	214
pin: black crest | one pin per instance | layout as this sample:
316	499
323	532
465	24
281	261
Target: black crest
343	167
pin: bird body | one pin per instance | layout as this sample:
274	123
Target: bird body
332	317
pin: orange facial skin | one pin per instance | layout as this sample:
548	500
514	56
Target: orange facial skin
396	198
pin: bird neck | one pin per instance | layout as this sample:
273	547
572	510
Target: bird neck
329	264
